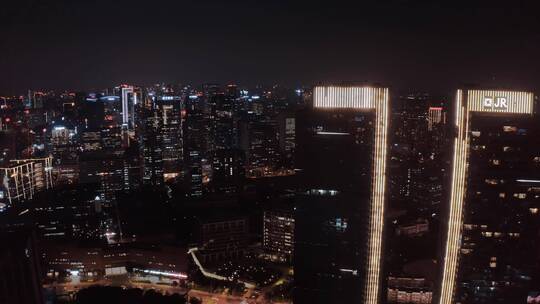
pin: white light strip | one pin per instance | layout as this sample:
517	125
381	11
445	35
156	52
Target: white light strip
375	99
528	181
167	274
207	274
332	133
453	237
373	281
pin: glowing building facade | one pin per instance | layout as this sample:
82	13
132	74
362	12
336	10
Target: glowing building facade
342	153
490	252
129	100
24	178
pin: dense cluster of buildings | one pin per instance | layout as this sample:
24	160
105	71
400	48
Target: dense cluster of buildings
368	196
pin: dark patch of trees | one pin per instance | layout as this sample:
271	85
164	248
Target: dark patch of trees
106	294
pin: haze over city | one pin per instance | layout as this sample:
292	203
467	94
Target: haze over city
374	152
404	44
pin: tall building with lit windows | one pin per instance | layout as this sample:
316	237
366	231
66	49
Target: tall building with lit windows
169	111
339	216
128	100
23	178
492	231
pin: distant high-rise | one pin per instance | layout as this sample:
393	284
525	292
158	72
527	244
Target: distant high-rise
259	140
493	227
196	138
287	138
23	178
278	234
42	168
63	146
169	113
227	170
150	148
339	220
128	101
107	170
435	116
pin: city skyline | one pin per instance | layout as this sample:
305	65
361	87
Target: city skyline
342	192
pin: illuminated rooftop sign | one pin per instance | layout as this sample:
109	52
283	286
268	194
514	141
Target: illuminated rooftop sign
347	97
500	101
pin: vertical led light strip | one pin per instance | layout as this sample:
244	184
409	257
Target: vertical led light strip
457	197
376	99
373	279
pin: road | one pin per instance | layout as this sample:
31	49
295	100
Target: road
212	298
250	297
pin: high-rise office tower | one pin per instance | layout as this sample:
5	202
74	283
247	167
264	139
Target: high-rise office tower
18	183
127	113
63	146
278	234
92	114
223	128
227	170
259	140
435	116
107	170
169	113
150	148
23	178
196	138
287	138
339	217
492	232
42	168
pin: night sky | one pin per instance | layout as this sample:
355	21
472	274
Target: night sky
76	44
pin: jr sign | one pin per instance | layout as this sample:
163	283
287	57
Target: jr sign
495	103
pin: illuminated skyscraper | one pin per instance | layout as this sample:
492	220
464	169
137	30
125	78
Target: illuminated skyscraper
435	116
23	178
169	111
151	149
129	100
195	139
259	140
287	138
278	234
492	233
342	152
42	168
